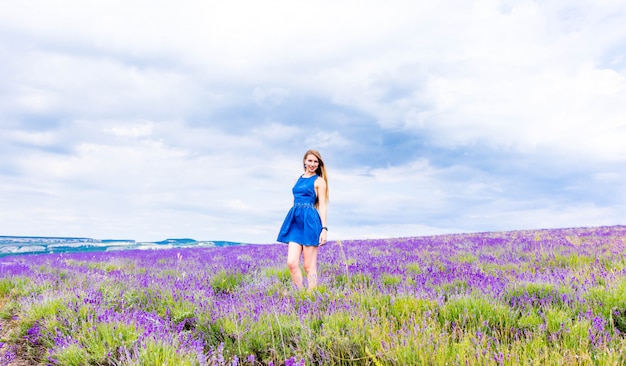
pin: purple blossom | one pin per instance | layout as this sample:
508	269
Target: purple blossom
168	295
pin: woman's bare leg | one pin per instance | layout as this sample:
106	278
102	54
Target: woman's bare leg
310	266
293	262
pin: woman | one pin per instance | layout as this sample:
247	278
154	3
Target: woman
304	228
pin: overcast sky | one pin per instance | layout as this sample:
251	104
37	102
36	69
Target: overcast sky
168	119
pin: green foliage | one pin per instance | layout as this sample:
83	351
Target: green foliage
281	274
6	285
355	281
71	355
340	281
373	302
557	320
21	286
182	311
106	267
375	252
604	299
40	312
530	320
221	330
407	308
453	288
577	335
156	352
440	265
466	258
535	294
472	313
572	260
284	333
224	282
344	336
535	303
619	319
413	269
390	280
103	339
360	280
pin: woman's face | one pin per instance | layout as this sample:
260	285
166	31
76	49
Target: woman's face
311	163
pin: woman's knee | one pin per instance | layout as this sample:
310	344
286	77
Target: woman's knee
293	264
310	267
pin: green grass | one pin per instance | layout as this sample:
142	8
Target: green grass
605	299
226	282
541	302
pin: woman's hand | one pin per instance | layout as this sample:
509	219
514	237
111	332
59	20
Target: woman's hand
323	237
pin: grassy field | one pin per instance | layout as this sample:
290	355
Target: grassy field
542	297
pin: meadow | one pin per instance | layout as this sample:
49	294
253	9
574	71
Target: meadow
536	297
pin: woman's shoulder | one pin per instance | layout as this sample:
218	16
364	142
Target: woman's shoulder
320	181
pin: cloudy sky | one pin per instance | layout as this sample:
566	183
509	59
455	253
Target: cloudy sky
166	119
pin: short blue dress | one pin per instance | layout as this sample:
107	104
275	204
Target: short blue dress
303	224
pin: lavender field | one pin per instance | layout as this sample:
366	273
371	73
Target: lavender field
542	297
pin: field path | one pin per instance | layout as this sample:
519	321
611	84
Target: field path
18	359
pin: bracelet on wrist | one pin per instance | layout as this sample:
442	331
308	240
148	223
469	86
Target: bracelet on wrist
324	228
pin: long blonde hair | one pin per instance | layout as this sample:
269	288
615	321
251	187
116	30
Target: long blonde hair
321	169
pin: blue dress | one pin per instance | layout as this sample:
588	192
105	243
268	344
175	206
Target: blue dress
303	224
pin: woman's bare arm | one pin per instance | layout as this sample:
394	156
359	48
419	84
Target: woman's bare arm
320	188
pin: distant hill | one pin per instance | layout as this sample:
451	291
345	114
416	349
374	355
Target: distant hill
18	245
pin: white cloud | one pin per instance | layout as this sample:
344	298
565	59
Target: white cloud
325	139
274	131
238	205
139	129
39	138
270	97
149	119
